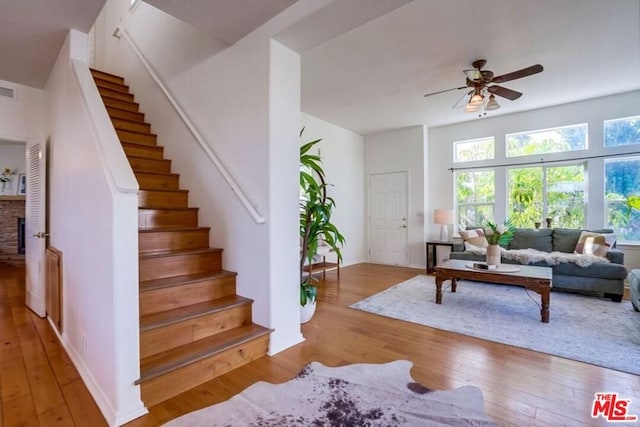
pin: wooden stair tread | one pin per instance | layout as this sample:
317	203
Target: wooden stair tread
107	84
167	282
119	113
128	131
161	363
169	190
164	318
167	209
161	254
95	73
143	146
172	230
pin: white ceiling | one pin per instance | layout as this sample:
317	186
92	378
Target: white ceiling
374	77
33	31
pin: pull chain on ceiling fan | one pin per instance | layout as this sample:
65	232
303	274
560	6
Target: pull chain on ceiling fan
483	83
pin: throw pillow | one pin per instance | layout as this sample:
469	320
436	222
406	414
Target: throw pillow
474	239
595	244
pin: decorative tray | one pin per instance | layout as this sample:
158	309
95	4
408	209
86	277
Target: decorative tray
502	268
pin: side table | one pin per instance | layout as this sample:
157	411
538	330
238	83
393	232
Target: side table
431	251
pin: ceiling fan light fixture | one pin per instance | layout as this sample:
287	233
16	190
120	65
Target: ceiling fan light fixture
492	104
470	108
476	99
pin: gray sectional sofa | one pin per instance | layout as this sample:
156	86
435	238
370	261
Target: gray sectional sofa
604	279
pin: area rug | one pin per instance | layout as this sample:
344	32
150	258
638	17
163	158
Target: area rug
353	395
583	328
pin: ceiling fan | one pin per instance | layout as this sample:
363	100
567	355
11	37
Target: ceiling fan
483	82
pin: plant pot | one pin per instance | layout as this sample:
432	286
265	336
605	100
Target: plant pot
493	255
307	311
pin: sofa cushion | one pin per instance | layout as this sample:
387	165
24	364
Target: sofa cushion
591	243
565	239
530	238
596	271
474	239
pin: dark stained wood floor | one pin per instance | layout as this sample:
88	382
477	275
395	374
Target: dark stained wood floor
40	387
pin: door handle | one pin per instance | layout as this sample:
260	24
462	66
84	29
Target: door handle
403	226
41	235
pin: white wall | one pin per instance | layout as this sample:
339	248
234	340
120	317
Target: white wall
95	228
593	112
12	156
342	153
396	151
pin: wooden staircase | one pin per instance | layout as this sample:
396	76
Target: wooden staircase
193	326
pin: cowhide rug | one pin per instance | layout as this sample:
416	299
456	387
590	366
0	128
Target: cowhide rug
353	395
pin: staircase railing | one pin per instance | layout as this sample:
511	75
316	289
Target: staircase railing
122	32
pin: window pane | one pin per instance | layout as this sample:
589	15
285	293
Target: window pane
525	196
622	193
474	149
565	196
556	140
622	131
475	195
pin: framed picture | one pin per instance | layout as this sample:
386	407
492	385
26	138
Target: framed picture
22	184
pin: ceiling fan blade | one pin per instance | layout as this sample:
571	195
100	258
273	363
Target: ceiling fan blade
534	69
504	92
445	90
459	103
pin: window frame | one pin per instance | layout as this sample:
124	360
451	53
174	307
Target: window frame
536	131
491	138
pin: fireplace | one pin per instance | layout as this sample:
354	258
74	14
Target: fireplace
21	247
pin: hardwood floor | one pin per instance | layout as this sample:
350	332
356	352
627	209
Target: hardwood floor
39	386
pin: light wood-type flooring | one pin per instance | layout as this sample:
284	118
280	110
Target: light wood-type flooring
40	387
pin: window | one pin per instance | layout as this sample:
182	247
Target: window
622	131
622	195
473	149
546	141
475	196
540	192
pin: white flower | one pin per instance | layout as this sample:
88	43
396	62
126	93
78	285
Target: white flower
488	232
501	228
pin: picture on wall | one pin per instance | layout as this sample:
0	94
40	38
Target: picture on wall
22	185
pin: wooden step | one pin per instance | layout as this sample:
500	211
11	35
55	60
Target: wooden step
136	138
158	181
163	198
142	150
143	164
116	113
106	76
114	94
175	371
177	239
179	263
119	87
167	217
163	331
173	292
122	105
133	126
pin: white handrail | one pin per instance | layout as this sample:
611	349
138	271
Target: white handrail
194	131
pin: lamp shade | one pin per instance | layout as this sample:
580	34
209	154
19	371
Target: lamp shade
443	216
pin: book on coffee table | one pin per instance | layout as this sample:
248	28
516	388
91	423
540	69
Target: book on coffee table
484	266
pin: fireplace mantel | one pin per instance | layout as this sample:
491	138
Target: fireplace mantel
10	198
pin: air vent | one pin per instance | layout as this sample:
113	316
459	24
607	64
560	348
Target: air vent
6	91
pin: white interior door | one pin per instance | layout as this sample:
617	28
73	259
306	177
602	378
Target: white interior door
35	233
388	218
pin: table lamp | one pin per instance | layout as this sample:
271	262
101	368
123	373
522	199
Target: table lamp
444	217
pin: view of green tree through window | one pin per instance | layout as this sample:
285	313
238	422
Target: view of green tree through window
556	192
475	196
622	194
546	141
474	149
622	131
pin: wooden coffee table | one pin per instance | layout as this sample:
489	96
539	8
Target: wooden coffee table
538	279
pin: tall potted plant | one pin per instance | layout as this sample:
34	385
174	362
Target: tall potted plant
316	209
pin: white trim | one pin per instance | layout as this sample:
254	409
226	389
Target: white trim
194	131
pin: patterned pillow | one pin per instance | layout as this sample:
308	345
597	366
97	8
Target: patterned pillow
474	239
594	243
